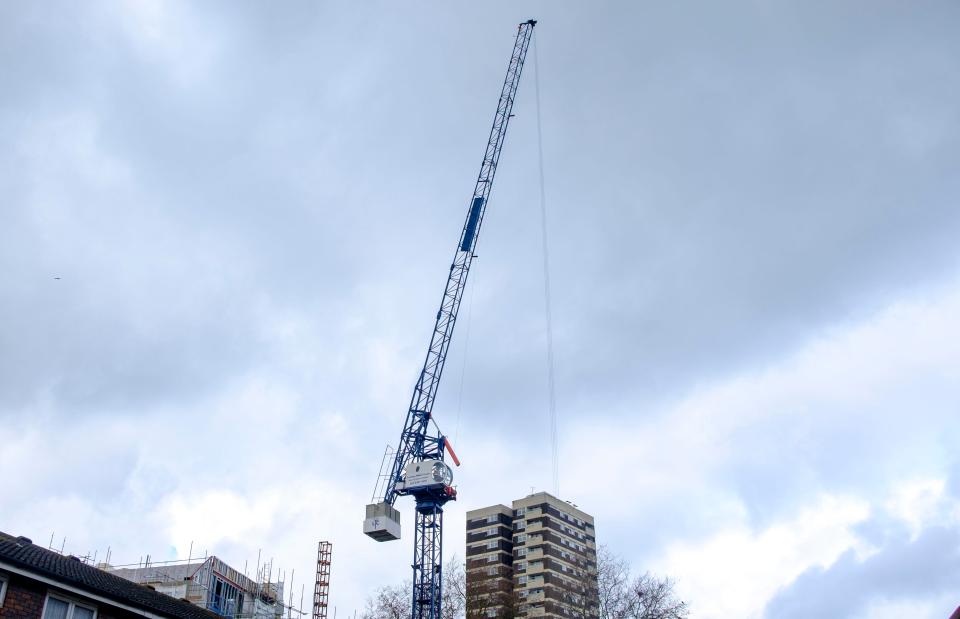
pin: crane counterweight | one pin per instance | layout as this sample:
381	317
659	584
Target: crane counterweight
382	522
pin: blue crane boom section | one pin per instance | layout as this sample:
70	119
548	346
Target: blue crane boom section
417	468
416	441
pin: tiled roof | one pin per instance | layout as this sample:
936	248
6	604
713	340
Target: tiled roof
20	552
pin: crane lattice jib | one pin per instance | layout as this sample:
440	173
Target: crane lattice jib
415	443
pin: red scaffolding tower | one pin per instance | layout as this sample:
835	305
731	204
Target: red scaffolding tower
321	591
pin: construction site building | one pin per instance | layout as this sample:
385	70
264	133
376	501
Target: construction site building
537	558
211	584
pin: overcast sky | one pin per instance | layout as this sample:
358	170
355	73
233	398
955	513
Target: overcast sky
225	228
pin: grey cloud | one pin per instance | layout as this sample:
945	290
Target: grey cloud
953	480
904	569
715	193
796	453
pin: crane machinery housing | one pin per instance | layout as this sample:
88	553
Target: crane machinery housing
418	467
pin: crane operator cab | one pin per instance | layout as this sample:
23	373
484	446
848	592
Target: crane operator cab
419	477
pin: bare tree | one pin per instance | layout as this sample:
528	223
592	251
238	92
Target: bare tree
613	584
489	596
643	597
490	593
454	589
394	602
619	596
652	597
389	603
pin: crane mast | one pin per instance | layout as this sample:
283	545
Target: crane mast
418	466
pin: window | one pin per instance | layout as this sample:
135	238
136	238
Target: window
491	571
520	512
227	598
521	552
521	538
492	544
3	588
520	525
491	532
523	580
491	612
492	559
492	518
57	607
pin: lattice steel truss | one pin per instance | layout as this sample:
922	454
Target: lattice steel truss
428	560
321	590
417	443
416	440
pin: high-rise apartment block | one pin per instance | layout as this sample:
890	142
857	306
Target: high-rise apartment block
536	559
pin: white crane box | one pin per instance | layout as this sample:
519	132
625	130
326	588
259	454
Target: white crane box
382	522
424	474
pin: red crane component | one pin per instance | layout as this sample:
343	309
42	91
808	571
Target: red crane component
449	447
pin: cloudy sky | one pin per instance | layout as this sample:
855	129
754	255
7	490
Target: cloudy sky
225	228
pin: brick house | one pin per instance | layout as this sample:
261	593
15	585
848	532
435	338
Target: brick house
36	583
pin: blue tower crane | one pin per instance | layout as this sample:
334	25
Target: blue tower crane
418	466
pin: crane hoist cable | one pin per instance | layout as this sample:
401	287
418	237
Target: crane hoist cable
548	315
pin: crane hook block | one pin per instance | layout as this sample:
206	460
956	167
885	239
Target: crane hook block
471	229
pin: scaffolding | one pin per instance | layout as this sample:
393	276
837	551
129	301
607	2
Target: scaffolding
212	584
321	590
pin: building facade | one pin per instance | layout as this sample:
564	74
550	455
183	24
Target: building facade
537	558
